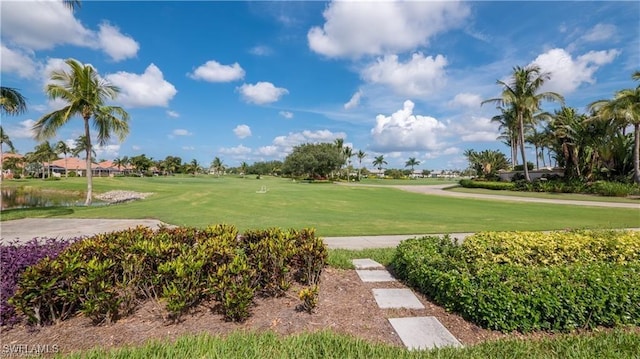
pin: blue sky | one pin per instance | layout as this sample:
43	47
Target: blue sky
247	81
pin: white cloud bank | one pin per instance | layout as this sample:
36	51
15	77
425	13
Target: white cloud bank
145	90
261	93
354	101
404	131
214	71
567	73
355	28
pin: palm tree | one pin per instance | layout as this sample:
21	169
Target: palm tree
121	162
339	144
361	155
11	101
44	152
85	93
4	139
379	162
537	139
509	126
412	162
624	109
63	148
194	166
523	96
217	166
243	168
80	145
348	153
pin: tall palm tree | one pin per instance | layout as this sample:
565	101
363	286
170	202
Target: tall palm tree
217	166
64	149
379	162
412	162
339	144
121	162
243	168
348	154
4	140
522	94
85	93
509	126
361	155
11	101
537	138
624	109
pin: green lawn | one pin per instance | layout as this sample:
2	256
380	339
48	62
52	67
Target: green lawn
332	209
563	196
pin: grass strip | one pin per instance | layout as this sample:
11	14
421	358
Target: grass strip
615	344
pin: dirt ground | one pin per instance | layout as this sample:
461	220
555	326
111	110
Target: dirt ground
346	305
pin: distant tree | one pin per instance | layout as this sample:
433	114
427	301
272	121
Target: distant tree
313	160
217	166
141	163
348	154
487	163
361	155
63	149
121	162
243	168
412	162
172	164
4	140
194	167
45	153
379	162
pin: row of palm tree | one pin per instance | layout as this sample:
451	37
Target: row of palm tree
587	146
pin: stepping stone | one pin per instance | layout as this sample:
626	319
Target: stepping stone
423	333
366	264
396	298
379	275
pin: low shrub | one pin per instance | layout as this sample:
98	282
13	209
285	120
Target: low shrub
500	186
614	189
14	259
499	288
107	275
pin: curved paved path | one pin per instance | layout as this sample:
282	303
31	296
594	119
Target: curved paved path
438	190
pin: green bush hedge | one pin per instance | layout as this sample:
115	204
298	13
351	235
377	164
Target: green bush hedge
509	295
108	275
501	186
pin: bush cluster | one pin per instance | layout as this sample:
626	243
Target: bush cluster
533	283
493	185
14	259
106	276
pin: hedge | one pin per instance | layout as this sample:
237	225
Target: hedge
510	296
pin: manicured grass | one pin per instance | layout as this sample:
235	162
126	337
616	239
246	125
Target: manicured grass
616	344
561	196
341	258
332	209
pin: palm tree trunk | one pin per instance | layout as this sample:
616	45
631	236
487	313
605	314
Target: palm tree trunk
636	153
522	152
1	162
87	201
537	159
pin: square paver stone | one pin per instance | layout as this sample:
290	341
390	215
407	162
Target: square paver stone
376	275
423	333
396	298
366	263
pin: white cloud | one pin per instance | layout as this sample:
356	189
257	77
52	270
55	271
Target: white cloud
188	148
568	74
600	32
173	114
354	28
115	44
181	132
286	114
354	101
23	130
306	136
213	71
464	99
17	61
419	76
108	151
136	148
404	131
474	129
43	25
261	93
239	150
261	50
145	90
270	151
242	131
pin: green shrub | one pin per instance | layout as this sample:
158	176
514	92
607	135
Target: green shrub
107	275
500	186
614	189
507	287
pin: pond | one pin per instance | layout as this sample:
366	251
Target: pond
28	197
